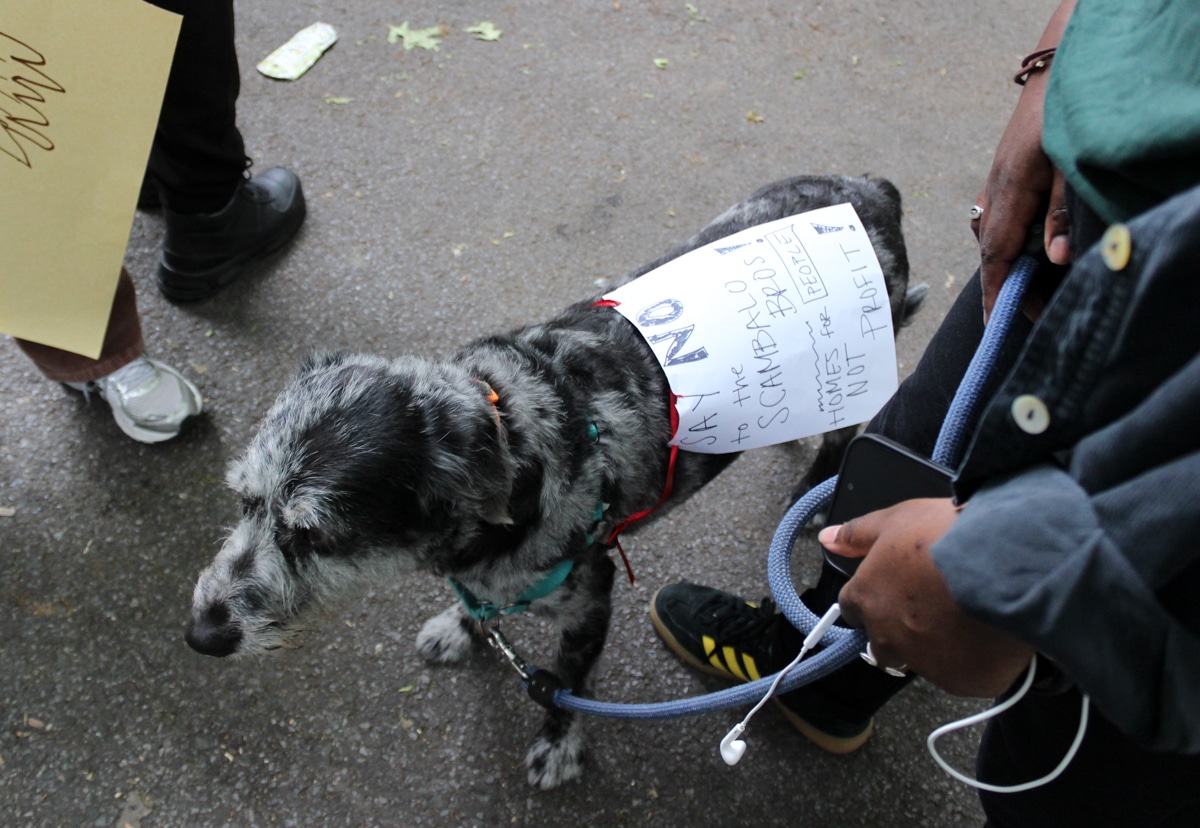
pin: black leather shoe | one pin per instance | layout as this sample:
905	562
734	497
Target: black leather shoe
203	252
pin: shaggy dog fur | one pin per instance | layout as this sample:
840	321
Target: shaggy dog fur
367	467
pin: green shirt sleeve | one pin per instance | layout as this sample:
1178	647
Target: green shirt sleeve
1122	116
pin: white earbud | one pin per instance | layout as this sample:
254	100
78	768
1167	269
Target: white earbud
732	747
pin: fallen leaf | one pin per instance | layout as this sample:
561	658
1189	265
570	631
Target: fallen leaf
412	38
485	30
408	688
333	99
801	75
136	807
753	117
661	63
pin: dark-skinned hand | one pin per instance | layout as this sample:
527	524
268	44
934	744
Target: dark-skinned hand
903	602
1023	189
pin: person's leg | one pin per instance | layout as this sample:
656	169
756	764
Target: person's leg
1109	782
149	400
122	343
217	221
198	157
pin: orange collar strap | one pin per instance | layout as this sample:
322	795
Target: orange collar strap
491	396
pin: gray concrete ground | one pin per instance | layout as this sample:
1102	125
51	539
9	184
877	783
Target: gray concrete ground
454	193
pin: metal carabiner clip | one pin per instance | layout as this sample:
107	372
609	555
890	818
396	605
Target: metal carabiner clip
497	640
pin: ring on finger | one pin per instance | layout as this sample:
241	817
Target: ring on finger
976	212
869	657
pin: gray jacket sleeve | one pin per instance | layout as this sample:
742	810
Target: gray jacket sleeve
1105	584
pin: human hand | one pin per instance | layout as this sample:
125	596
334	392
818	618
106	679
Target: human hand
1023	189
903	602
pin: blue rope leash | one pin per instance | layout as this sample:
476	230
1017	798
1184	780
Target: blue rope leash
959	422
841	645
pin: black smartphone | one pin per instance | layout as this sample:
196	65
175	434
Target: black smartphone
878	473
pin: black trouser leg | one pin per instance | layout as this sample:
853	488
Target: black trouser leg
198	156
1109	782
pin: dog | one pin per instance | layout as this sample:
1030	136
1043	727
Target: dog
492	468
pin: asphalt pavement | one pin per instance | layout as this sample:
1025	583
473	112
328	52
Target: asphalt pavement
453	193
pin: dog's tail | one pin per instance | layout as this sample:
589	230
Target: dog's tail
914	297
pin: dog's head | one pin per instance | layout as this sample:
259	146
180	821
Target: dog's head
362	469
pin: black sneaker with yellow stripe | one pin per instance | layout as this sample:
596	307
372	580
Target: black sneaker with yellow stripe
716	632
724	635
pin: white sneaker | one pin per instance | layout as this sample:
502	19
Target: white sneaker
149	400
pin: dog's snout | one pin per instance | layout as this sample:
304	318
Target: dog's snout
207	632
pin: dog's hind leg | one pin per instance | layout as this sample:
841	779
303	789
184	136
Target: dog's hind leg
556	754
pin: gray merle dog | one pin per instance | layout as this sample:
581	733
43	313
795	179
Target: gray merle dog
493	467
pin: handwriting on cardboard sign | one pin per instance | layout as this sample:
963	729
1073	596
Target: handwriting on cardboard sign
778	332
24	111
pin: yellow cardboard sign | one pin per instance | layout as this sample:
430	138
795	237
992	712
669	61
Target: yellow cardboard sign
81	85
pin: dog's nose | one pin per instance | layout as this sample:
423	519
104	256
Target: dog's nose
206	632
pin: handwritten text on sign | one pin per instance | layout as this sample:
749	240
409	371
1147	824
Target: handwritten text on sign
778	332
24	85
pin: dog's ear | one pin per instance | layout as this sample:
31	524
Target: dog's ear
494	486
460	461
317	360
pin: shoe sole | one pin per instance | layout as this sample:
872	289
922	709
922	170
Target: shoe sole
839	745
182	286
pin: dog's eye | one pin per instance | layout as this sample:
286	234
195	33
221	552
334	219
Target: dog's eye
312	539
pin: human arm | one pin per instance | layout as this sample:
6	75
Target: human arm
1104	584
1021	184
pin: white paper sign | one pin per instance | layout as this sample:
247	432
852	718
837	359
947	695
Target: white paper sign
778	332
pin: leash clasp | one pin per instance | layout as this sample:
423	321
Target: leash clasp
498	641
541	685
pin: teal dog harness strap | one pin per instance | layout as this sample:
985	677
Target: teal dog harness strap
485	611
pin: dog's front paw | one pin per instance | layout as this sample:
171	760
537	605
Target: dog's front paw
556	756
446	637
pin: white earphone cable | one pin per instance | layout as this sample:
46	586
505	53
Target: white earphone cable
995	711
